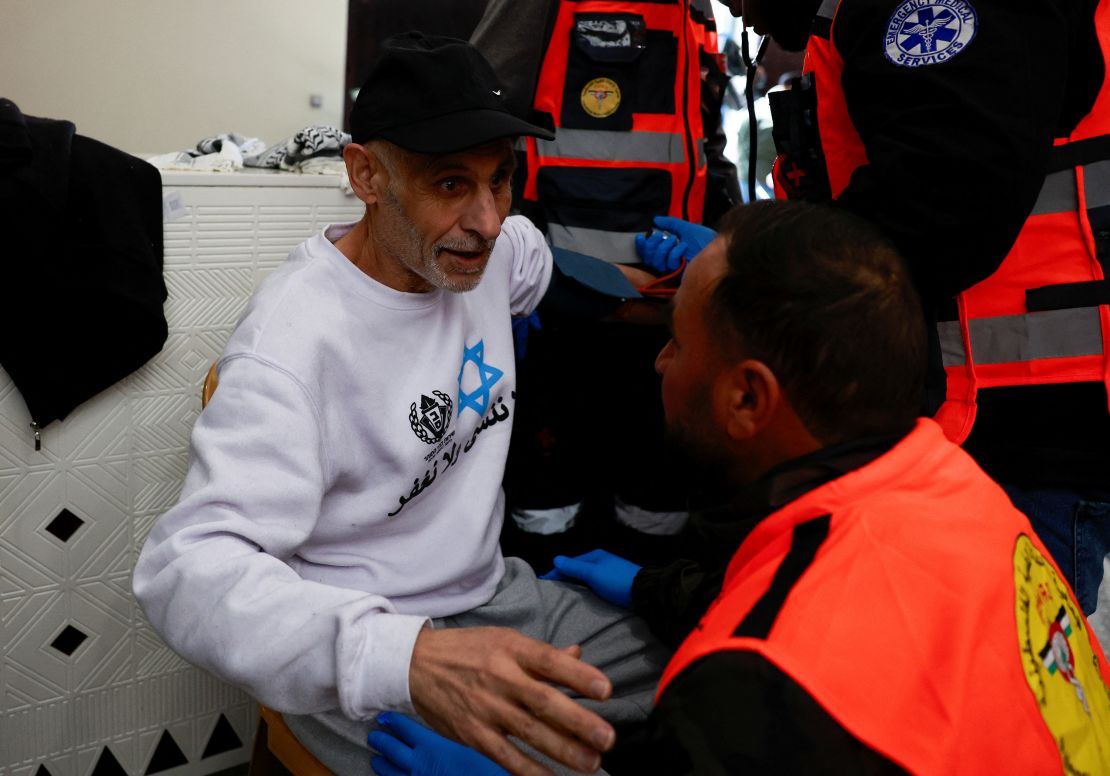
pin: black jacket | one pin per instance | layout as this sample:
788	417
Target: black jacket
81	287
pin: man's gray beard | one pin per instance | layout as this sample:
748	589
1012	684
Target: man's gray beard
440	278
429	268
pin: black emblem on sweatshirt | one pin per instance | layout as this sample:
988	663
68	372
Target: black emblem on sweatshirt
430	420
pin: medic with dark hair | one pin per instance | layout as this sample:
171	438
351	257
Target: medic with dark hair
976	134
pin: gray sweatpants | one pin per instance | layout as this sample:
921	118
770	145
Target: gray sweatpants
611	638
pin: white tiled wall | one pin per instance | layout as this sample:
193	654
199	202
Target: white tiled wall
86	687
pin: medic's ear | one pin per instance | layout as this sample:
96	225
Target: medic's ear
749	397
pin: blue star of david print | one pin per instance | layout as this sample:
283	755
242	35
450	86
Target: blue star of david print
478	399
929	30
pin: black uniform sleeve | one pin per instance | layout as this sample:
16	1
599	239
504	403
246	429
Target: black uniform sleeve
735	712
511	36
672	598
956	150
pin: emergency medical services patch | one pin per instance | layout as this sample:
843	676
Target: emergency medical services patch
1060	665
601	97
928	32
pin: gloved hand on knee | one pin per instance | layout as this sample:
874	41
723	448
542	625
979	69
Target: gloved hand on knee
609	576
407	748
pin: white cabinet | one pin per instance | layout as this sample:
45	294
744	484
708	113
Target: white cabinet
85	685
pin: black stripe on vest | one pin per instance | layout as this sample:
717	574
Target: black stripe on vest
1092	149
807	539
1063	296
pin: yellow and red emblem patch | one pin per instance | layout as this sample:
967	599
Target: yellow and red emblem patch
601	97
1059	663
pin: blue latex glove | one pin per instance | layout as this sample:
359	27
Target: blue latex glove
521	327
664	250
411	749
608	575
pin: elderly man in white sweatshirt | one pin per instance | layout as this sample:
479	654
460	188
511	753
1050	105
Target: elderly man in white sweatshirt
335	548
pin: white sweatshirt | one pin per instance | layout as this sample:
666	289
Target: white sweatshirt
345	482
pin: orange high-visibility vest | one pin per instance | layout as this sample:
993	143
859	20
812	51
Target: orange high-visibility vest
914	603
621	82
1042	317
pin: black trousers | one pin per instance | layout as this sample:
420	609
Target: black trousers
588	429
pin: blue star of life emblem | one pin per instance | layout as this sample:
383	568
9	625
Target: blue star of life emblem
487	376
928	32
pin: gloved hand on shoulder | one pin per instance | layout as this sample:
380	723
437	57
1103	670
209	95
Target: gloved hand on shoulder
407	748
521	328
664	250
609	576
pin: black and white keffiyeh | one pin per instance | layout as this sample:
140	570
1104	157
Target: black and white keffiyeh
309	143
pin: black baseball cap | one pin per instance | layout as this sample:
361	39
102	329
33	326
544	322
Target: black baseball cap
434	95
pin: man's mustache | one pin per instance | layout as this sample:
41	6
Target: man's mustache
465	246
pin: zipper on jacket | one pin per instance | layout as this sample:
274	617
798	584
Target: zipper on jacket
37	429
691	151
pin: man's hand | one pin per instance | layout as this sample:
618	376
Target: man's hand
608	575
407	748
481	685
636	276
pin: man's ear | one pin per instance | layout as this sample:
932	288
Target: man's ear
750	396
365	172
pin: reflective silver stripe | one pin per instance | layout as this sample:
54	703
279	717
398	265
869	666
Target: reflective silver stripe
951	343
614	247
662	147
1014	338
1058	194
1096	184
702	161
828	9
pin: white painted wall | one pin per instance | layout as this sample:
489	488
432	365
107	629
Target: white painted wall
150	76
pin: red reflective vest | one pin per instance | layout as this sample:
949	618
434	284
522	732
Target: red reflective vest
913	602
1041	317
622	84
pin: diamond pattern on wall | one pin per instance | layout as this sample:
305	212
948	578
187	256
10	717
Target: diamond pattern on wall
87	688
106	659
212	297
69	640
64	525
22	580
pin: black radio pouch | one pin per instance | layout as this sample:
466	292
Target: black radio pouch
800	170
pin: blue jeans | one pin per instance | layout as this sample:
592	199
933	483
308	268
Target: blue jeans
1075	527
